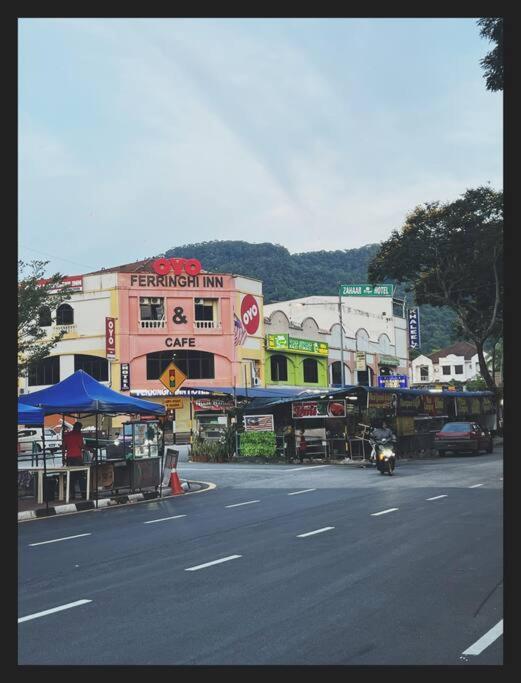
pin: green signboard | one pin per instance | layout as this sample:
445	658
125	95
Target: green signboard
366	290
283	342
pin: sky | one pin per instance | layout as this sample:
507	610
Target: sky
138	135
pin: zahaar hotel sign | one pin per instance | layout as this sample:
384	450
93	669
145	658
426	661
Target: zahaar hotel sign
283	342
176	272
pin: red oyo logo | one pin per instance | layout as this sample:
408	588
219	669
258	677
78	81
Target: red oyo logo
250	314
191	266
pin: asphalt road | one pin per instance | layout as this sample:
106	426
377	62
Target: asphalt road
277	565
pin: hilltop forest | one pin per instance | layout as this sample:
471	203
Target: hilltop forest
288	276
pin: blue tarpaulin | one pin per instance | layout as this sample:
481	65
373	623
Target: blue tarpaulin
80	393
29	415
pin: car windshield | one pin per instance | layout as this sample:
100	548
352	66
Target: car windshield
457	427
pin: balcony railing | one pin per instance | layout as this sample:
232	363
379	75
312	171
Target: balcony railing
152	324
66	328
207	325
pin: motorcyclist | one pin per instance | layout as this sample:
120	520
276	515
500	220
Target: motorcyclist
380	433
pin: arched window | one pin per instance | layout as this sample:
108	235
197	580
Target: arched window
385	344
310	368
362	340
44	317
95	366
194	364
279	368
65	315
46	371
336	375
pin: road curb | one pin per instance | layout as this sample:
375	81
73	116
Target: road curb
130	499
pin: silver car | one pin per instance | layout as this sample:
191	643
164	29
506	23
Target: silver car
30	440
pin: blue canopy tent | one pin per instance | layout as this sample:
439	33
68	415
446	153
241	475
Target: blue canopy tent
29	415
80	394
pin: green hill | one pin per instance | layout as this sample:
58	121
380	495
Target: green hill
288	276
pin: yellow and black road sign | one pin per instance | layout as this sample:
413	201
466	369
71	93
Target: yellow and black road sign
172	378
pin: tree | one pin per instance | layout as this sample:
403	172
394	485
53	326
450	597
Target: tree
37	300
492	28
451	255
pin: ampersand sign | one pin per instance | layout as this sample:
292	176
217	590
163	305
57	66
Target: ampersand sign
179	318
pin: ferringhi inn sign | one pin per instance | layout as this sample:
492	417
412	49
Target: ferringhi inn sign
176	272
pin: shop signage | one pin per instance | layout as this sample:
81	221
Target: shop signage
213	404
360	361
144	280
259	423
462	406
152	393
366	290
283	342
381	402
393	381
413	318
318	409
388	360
409	404
172	377
110	338
124	377
75	282
190	266
250	314
433	405
180	341
174	403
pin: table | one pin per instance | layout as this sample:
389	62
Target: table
64	471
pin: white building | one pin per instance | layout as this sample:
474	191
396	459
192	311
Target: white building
373	325
458	362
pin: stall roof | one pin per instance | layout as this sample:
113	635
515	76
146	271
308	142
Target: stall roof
80	393
29	415
255	392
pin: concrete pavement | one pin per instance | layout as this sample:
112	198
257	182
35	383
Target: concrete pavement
278	565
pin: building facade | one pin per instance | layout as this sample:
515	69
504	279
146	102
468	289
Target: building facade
457	362
125	325
374	335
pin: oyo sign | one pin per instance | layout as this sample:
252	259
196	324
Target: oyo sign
250	314
190	266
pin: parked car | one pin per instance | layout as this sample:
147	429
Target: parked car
33	435
463	436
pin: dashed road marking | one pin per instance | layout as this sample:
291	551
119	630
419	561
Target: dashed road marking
65	538
383	512
485	640
236	505
437	497
317	531
69	605
475	486
308	467
210	564
163	519
295	493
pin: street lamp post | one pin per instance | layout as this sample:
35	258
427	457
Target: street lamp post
341	338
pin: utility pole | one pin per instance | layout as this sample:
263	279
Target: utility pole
341	336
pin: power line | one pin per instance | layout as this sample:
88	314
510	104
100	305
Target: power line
57	258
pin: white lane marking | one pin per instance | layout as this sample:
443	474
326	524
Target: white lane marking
65	538
295	493
486	640
500	478
317	531
475	486
236	505
309	467
383	512
209	564
36	615
163	519
436	497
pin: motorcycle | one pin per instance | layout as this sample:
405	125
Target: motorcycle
383	455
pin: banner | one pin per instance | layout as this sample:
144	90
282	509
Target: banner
434	405
283	342
360	361
259	423
392	381
214	404
413	317
409	404
318	409
382	402
462	406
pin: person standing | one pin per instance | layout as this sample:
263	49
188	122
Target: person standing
73	445
302	447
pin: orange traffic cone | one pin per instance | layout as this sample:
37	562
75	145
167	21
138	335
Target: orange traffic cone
175	484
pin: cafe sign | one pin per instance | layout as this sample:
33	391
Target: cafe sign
305	409
366	290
